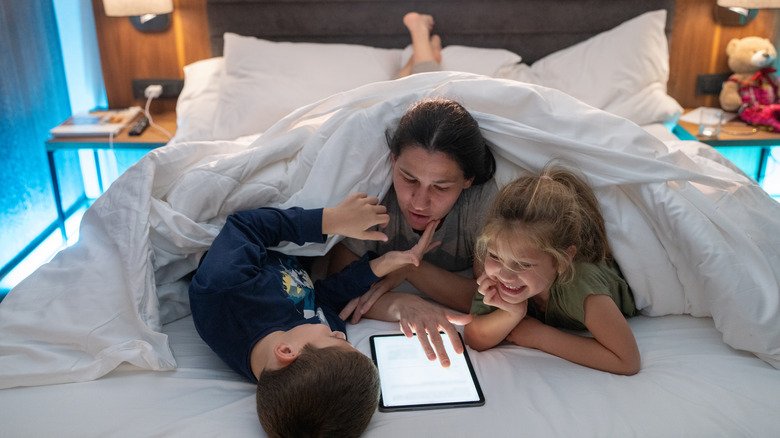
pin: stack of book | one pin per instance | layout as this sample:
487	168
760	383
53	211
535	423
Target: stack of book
96	123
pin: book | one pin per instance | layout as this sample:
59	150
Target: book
96	123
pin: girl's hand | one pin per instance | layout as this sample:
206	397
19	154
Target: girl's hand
354	216
489	289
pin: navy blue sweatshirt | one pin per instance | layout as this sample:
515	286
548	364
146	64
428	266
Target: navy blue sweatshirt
242	291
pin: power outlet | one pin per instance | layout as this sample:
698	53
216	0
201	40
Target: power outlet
170	87
710	84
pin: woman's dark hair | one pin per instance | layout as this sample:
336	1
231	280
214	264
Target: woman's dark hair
443	125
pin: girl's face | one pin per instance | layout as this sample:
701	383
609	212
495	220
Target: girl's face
520	271
426	184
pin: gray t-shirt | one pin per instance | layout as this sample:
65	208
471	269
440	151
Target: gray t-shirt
458	232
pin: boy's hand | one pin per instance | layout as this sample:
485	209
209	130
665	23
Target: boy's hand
393	260
388	266
354	216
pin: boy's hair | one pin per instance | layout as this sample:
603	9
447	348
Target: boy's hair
325	392
552	211
443	125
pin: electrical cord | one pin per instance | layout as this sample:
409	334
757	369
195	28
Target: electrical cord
151	122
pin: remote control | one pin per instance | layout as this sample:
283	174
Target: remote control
139	126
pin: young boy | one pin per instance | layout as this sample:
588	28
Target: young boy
258	310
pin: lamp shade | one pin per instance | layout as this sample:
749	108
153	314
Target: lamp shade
749	4
126	8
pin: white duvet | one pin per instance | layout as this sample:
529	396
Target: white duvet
691	233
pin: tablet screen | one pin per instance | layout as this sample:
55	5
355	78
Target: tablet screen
410	381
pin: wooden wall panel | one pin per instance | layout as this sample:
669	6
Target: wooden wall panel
698	46
127	54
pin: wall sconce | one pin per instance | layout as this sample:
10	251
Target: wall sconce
740	12
145	15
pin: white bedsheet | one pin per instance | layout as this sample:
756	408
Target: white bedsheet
691	235
691	385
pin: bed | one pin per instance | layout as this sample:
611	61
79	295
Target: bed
99	341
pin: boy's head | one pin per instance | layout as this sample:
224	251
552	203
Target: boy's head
330	391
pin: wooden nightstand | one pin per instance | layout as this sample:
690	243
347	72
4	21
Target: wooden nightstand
151	138
734	133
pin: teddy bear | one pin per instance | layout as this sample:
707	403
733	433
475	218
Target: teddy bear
752	89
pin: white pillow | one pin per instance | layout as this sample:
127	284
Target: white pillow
197	102
265	80
623	70
471	59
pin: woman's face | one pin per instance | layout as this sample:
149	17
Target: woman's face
426	184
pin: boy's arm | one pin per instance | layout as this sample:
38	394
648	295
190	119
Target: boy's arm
612	347
241	246
353	217
357	277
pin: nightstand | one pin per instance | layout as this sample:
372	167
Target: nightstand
151	138
733	134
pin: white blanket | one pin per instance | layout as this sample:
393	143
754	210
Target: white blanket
691	233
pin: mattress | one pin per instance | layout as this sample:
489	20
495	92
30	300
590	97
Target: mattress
691	384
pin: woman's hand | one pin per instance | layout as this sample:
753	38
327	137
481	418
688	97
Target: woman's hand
354	216
426	319
359	306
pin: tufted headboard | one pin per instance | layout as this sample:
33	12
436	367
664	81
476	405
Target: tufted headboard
531	28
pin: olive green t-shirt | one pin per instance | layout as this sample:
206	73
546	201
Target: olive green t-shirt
566	307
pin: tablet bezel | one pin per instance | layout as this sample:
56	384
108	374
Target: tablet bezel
443	405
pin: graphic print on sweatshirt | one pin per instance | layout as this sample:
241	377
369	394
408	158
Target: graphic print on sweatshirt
298	286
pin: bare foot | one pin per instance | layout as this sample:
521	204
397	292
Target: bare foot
425	48
436	47
416	22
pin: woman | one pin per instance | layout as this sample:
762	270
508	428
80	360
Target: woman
442	171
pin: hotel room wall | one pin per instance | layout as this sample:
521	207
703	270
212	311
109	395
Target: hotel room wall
697	47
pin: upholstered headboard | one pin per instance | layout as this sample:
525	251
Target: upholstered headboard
532	28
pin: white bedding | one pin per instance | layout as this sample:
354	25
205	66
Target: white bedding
691	235
691	385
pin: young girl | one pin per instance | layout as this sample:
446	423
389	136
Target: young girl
547	264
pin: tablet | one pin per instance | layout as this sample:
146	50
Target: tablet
410	381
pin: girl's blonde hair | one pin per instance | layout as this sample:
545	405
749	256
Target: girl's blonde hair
552	211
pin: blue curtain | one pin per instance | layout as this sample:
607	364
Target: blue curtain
33	98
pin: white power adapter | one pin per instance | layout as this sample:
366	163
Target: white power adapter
153	91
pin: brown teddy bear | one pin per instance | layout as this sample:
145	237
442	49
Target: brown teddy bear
752	89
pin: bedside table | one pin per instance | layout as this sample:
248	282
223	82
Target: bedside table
151	138
733	133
